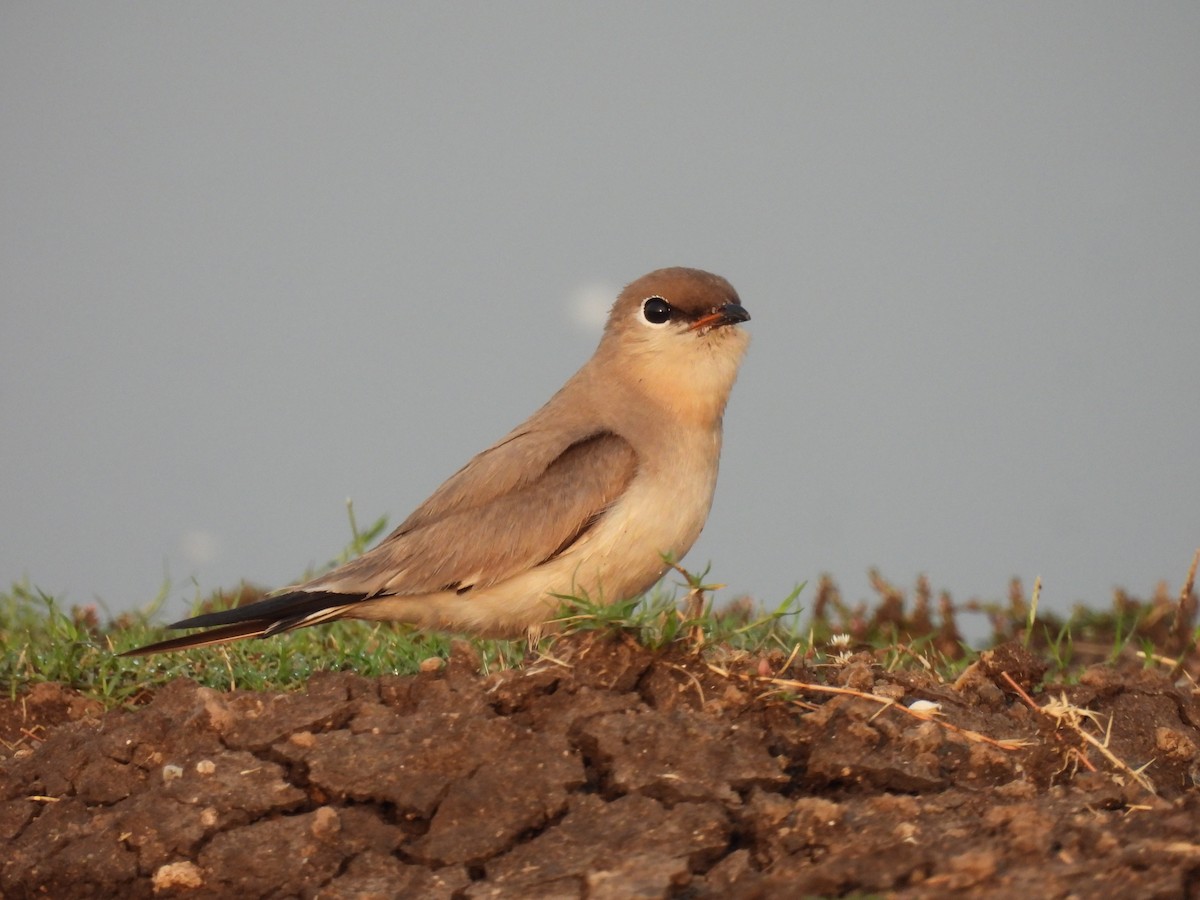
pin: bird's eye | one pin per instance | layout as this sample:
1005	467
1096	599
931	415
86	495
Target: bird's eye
657	311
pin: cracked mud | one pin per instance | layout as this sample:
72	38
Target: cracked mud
614	772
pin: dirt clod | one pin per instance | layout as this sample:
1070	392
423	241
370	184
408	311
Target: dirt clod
610	771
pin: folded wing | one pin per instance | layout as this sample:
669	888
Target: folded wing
515	506
462	539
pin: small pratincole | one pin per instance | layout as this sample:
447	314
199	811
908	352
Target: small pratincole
587	497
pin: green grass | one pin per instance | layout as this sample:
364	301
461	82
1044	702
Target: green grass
662	617
42	640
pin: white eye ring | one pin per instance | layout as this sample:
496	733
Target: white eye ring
657	312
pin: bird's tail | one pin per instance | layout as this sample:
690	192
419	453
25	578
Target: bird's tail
295	609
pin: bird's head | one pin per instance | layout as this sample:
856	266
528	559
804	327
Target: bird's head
675	334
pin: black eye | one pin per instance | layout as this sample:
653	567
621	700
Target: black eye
657	311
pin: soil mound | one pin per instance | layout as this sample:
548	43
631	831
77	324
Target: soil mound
610	771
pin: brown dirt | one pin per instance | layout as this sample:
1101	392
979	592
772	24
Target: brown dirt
612	772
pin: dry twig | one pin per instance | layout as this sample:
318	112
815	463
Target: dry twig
783	684
1064	713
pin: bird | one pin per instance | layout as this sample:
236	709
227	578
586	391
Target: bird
594	495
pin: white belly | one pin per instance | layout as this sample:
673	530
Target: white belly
661	513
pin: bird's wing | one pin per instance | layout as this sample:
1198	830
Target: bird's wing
514	506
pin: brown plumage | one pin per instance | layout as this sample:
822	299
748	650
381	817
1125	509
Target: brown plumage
584	498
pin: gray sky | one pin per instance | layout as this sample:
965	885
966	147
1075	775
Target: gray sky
259	258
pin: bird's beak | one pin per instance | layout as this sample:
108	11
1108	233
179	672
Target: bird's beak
729	314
